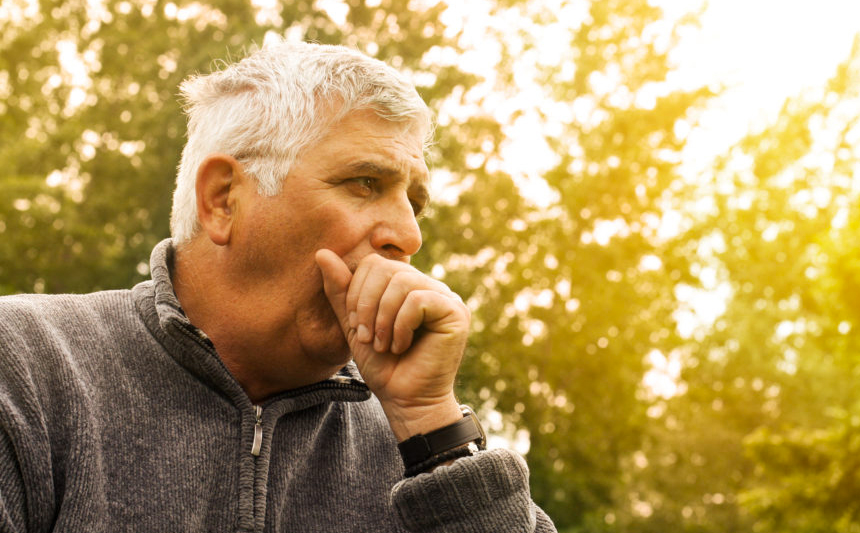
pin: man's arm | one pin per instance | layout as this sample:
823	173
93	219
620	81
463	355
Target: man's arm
27	499
407	333
12	499
488	492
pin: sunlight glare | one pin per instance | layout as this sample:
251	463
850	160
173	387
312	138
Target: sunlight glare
754	48
337	10
662	380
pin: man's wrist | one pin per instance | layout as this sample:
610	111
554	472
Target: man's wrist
414	420
424	452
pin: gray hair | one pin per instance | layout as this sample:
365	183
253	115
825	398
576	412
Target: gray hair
279	100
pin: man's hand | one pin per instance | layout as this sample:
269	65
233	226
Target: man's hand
407	333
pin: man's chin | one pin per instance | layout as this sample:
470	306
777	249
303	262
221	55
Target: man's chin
333	348
325	336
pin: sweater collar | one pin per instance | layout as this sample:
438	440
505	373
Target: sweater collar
190	347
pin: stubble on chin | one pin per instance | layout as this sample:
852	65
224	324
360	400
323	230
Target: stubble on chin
320	332
323	334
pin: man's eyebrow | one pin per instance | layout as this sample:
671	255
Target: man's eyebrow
373	169
419	186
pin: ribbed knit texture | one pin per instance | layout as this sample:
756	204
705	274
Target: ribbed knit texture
482	494
116	414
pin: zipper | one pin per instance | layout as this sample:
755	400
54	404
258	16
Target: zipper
258	431
336	382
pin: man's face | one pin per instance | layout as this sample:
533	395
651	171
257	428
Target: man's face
355	192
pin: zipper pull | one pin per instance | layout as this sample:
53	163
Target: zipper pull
258	431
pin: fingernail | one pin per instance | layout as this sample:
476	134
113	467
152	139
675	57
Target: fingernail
363	333
353	319
377	344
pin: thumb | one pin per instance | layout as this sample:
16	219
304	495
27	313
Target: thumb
336	278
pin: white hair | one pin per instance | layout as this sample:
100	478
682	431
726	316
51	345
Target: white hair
279	100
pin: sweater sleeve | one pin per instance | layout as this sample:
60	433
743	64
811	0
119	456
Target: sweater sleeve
482	494
26	483
12	500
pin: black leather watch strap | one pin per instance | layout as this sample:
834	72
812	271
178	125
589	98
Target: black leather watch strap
419	448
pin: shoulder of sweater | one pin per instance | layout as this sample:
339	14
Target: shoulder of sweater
33	318
27	308
55	346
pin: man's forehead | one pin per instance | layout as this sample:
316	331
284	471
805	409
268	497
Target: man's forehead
364	143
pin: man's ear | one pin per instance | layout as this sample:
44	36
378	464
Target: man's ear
217	178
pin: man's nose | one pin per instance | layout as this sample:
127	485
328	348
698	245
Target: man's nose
396	234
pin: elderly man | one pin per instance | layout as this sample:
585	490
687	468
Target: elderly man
285	369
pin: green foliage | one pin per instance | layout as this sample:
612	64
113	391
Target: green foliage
746	448
563	315
809	480
106	133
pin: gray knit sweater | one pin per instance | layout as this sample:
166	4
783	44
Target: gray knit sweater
117	415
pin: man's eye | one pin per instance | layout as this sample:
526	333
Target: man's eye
362	185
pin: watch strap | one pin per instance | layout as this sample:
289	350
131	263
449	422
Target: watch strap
437	460
419	448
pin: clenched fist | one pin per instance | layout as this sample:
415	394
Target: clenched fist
407	333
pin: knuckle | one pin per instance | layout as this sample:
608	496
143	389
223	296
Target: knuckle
416	297
364	305
382	318
402	280
400	329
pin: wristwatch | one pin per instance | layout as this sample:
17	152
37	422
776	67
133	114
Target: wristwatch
419	448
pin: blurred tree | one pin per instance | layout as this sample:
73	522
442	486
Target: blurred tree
758	441
572	288
813	477
806	469
91	123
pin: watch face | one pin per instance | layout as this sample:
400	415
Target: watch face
482	442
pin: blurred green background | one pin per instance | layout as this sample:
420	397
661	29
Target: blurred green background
673	351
